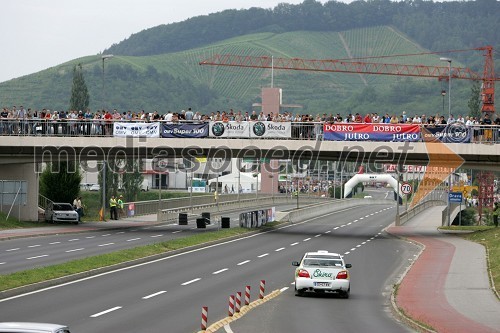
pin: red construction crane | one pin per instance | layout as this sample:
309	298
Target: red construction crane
360	67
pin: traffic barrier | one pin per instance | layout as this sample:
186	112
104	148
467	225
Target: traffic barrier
247	295
183	218
231	306
204	317
206	216
262	288
200	223
225	222
238	302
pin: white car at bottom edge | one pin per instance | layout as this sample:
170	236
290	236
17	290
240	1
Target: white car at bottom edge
320	272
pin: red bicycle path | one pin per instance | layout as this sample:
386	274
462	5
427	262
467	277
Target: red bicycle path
421	294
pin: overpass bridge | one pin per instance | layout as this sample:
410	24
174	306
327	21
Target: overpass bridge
21	154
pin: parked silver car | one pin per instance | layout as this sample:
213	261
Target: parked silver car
24	327
61	212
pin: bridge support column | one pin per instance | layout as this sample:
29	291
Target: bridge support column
23	172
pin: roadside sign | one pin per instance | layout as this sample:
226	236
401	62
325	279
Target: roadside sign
455	197
406	188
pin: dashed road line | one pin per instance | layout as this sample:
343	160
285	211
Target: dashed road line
105	235
105	311
263	255
243	262
31	246
318	235
72	240
53	243
293	244
154	236
89	237
80	249
305	240
107	244
220	271
155	294
191	281
132	239
280	249
328	231
36	257
174	232
10	250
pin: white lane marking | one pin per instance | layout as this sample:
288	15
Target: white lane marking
263	255
107	244
368	240
228	329
349	223
292	283
174	232
363	243
358	245
372	238
317	235
133	229
343	225
154	236
327	232
132	239
189	282
335	228
353	249
360	218
105	235
204	248
280	249
367	215
75	250
89	237
243	262
43	255
355	221
2	263
105	311
9	250
120	232
347	252
34	245
293	244
54	243
155	294
283	289
72	240
220	271
305	240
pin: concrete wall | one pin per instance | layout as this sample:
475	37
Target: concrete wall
26	172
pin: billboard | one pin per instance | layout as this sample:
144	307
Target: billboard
371	132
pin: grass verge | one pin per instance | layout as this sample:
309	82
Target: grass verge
18	279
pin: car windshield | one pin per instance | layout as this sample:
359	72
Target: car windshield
63	207
323	262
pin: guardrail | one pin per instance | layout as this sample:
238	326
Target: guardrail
408	215
228	205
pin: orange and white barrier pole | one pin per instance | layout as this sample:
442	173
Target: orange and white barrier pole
204	317
247	295
262	288
231	306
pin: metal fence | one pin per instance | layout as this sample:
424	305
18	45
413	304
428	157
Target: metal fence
104	128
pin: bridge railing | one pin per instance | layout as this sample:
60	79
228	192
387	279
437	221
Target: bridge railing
475	133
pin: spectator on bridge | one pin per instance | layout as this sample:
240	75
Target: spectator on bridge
488	135
368	118
375	118
189	114
497	132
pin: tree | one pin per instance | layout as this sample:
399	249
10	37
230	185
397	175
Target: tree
60	181
131	179
474	102
80	98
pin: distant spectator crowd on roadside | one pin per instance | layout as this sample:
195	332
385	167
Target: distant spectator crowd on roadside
19	120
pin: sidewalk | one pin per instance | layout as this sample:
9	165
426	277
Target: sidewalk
61	228
448	286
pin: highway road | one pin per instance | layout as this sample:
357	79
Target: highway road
26	253
167	295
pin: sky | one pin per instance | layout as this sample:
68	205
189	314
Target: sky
38	34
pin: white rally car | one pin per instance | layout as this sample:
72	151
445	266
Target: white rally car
322	271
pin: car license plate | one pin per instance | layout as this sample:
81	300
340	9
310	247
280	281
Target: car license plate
322	284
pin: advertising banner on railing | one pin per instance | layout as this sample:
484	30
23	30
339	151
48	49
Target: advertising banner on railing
454	133
230	129
270	129
257	218
184	130
371	132
139	130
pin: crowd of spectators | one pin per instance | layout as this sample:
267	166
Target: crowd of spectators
18	120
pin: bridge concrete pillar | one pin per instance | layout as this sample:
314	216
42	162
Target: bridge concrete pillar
28	211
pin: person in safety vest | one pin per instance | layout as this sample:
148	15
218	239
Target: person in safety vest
112	208
121	213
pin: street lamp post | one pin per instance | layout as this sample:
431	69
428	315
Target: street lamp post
443	93
104	57
449	84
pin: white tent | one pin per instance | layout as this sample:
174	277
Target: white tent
229	182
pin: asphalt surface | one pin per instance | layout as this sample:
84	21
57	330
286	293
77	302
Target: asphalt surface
168	294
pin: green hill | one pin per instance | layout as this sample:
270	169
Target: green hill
175	81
